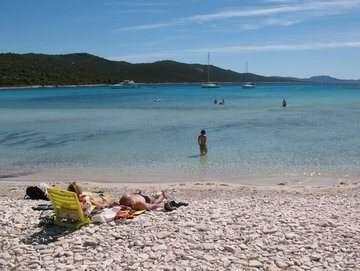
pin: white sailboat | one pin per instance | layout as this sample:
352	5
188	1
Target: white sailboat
209	84
247	84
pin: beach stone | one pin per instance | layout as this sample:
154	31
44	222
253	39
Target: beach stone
243	246
255	263
229	239
70	267
90	230
269	230
273	267
142	257
208	246
290	236
68	253
163	234
18	251
108	262
209	258
297	262
154	256
147	224
229	249
323	223
78	258
61	266
281	264
159	247
201	228
316	257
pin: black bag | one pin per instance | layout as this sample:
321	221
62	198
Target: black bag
34	192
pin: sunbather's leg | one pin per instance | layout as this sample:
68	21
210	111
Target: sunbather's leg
148	206
137	202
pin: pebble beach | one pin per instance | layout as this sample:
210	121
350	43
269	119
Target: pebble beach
225	227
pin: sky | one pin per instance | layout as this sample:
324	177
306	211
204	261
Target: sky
299	38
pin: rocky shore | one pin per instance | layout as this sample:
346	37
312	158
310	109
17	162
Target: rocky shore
225	227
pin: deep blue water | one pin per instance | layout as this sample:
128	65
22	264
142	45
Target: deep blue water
99	131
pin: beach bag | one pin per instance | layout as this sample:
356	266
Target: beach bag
107	215
34	192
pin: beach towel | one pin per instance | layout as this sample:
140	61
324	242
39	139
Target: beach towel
128	213
117	212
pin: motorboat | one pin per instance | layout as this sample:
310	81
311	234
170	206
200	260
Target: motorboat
209	84
126	84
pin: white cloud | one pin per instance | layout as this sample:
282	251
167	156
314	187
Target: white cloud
271	21
344	4
250	26
280	47
142	27
233	49
285	22
325	7
278	1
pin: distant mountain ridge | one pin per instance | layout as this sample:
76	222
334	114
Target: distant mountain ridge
325	79
82	69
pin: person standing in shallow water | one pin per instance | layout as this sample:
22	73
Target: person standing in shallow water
202	142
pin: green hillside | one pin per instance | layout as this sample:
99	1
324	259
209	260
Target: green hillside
83	68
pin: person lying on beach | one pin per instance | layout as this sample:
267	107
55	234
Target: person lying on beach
141	202
136	201
98	201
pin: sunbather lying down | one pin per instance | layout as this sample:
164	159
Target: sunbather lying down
98	201
136	201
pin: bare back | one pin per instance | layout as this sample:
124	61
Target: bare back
202	139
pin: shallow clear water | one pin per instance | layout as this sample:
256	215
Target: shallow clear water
101	131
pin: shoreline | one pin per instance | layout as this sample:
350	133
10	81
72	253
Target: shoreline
141	83
52	86
304	180
164	83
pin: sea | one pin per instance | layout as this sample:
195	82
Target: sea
149	134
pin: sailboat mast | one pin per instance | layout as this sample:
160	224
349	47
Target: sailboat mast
246	70
208	67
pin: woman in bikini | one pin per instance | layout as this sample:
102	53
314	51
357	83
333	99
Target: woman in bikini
98	201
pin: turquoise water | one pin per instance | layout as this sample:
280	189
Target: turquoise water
99	131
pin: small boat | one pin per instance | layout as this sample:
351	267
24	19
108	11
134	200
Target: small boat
126	84
209	84
247	84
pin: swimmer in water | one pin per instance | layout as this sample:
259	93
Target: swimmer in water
202	142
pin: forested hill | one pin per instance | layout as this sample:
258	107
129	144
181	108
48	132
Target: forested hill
83	68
